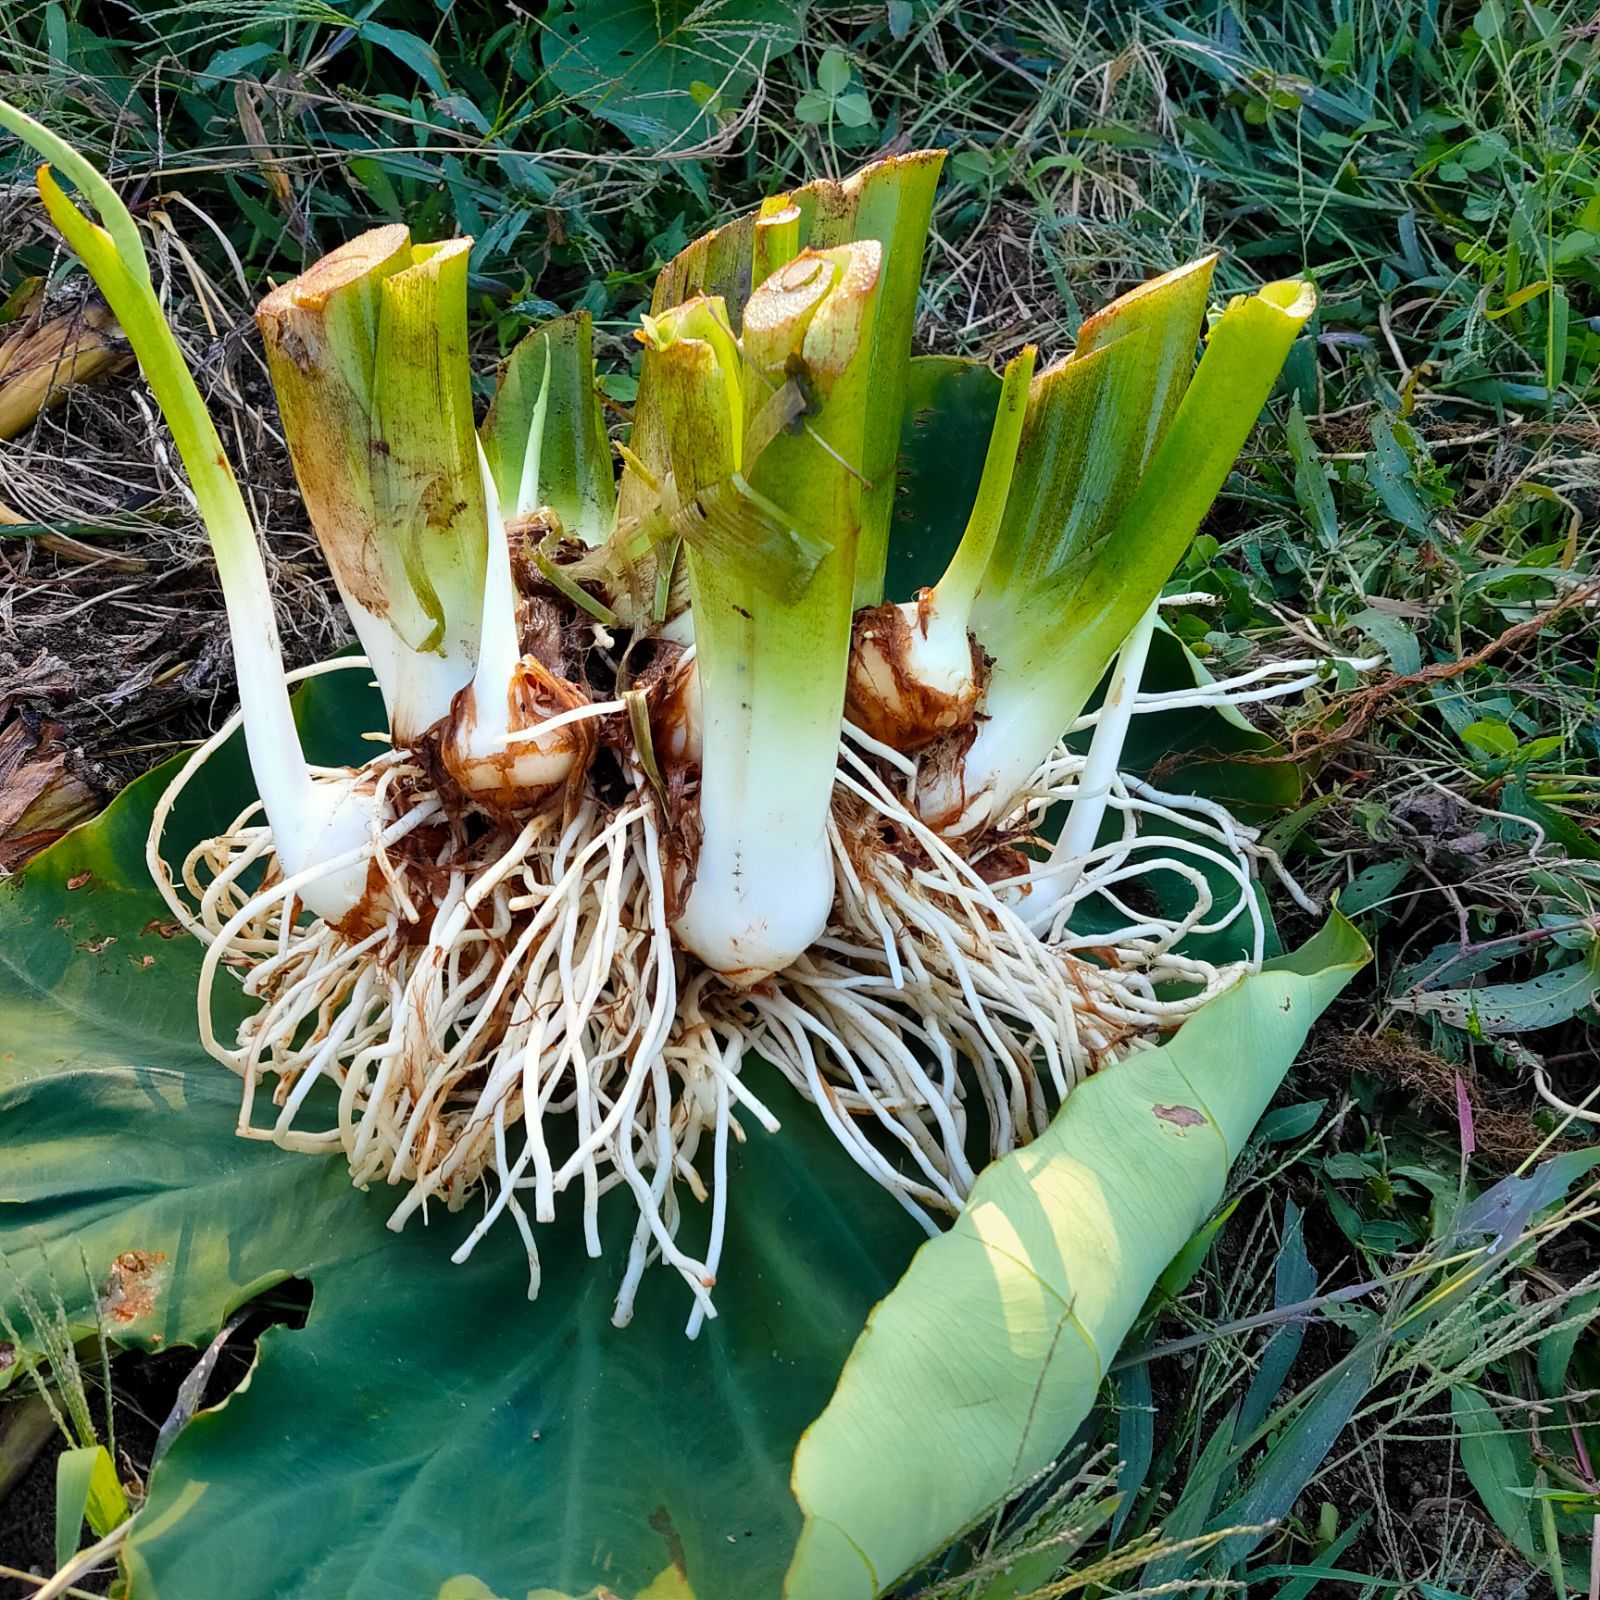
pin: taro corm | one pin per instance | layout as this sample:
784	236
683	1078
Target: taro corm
667	778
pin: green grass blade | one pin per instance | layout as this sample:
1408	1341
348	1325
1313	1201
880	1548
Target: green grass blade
1280	1477
1201	1485
86	1487
1295	1279
1302	1588
1136	1439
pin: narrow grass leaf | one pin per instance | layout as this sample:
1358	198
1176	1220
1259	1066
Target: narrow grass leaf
1280	1477
1302	1586
1556	1348
1311	487
410	51
1542	1001
1556	346
1188	1261
1498	1463
1294	1280
1136	1434
1031	1573
231	63
1195	1504
86	1487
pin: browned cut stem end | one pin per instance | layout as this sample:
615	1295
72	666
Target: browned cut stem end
523	774
347	264
884	696
40	359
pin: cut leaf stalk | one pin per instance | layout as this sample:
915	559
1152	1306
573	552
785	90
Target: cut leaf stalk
368	357
315	823
891	203
41	359
916	672
494	745
1053	624
551	454
772	640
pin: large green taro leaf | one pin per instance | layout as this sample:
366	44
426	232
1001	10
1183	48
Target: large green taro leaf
428	1421
950	406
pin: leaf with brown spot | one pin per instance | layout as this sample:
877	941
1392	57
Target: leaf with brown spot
963	1387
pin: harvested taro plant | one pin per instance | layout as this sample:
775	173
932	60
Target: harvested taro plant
671	780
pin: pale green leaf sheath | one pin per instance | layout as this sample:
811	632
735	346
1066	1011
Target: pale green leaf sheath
889	203
1063	593
979	1364
494	744
545	436
770	522
916	673
368	357
714	266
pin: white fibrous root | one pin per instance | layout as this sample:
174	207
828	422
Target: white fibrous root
510	1024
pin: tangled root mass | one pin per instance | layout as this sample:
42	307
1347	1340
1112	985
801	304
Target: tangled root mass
511	1026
